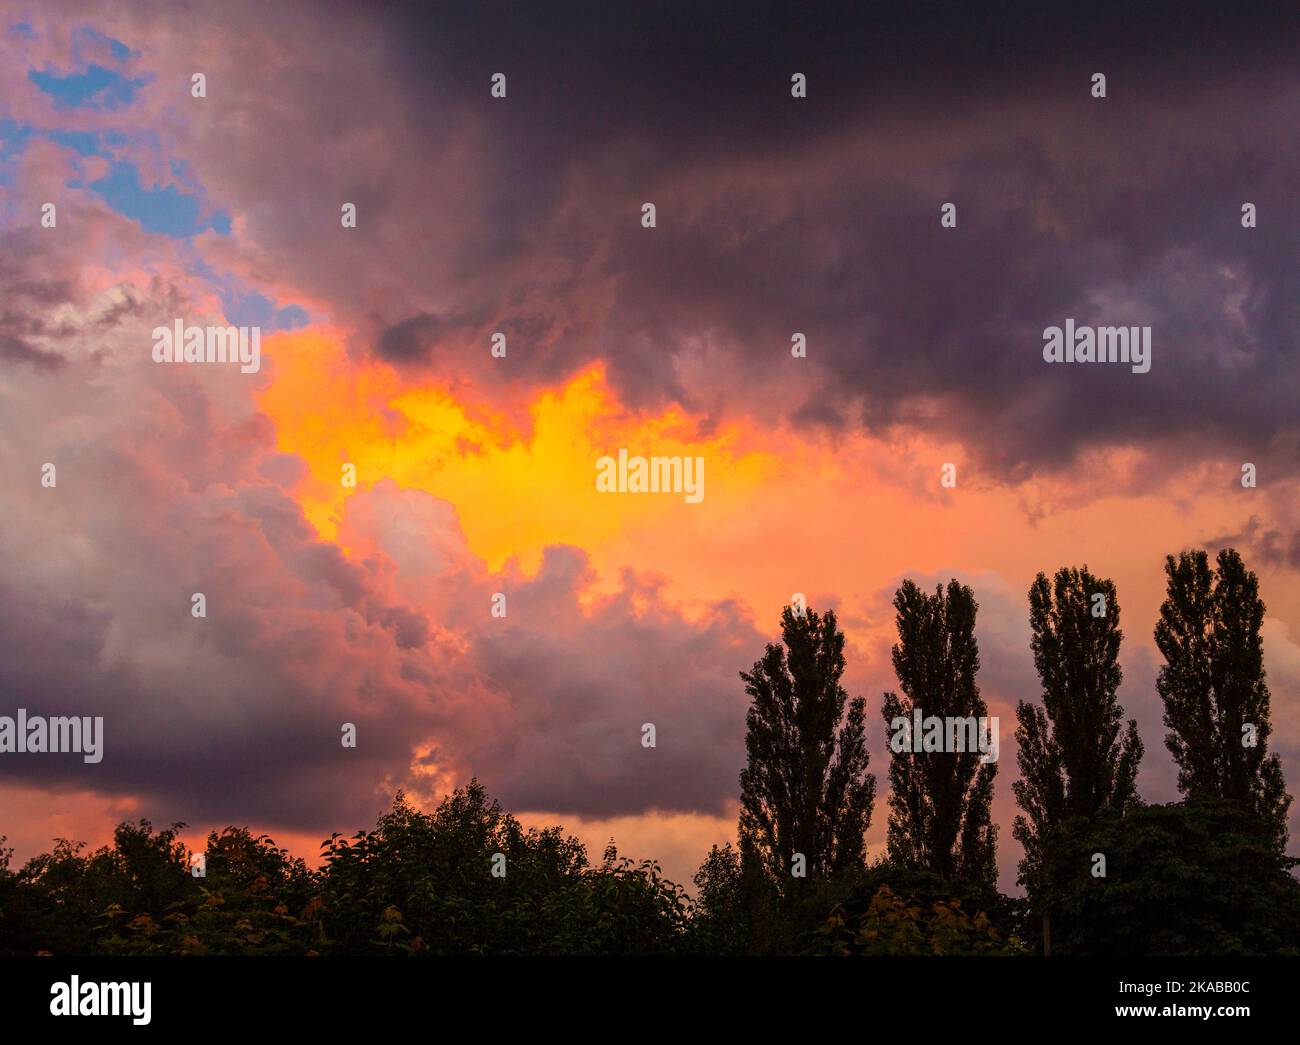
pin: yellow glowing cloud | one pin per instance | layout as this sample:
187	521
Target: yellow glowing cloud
514	492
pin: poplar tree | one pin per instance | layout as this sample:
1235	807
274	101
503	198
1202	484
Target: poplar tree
939	815
1212	685
805	789
1076	755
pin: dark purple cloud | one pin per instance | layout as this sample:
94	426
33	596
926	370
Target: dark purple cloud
819	215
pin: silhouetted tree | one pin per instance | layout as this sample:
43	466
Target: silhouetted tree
1212	684
1188	878
419	883
68	902
939	803
251	894
805	788
1076	756
725	904
425	883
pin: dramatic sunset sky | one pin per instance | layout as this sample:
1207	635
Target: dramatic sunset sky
475	214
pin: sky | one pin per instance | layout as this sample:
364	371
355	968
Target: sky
523	215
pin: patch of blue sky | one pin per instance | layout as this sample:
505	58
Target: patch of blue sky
85	143
246	308
91	83
249	308
96	88
164	209
176	211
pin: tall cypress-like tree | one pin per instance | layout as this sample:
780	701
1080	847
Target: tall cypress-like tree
806	788
1076	756
939	806
1212	684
